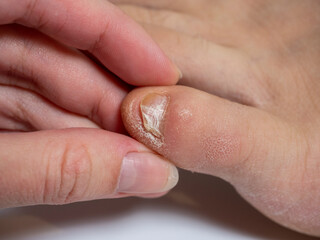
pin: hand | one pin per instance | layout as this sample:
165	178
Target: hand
258	128
48	83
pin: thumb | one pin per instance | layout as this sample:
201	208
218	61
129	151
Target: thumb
63	166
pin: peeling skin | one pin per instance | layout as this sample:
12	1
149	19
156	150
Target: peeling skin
153	108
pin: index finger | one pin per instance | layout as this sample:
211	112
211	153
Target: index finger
100	28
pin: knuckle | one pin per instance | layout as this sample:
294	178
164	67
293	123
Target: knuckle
33	15
98	42
68	174
17	45
30	7
22	46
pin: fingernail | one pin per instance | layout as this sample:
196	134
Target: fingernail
153	108
146	173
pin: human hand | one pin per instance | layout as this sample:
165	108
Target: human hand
47	83
258	128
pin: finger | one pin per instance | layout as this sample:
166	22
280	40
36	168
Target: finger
223	13
183	23
64	76
207	66
198	8
22	110
163	4
77	165
201	132
100	27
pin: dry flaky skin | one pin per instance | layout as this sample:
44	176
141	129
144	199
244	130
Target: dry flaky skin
259	53
153	110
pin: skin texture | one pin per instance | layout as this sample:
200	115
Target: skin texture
60	68
254	120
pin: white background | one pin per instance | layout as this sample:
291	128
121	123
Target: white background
201	207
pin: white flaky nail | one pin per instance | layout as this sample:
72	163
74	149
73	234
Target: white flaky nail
153	108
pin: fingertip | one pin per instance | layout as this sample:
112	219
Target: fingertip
157	70
146	173
174	75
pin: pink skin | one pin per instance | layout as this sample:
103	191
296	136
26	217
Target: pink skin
102	29
49	82
69	166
